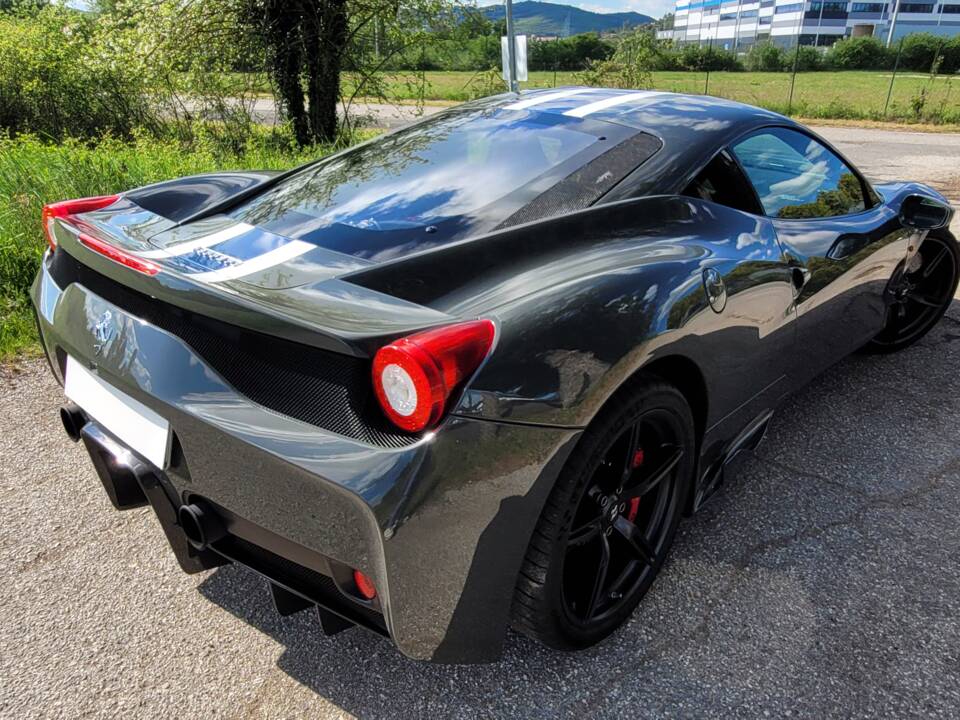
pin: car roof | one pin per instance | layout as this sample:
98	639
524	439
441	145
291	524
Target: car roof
649	110
691	127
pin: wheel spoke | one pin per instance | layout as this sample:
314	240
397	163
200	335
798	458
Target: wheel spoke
636	540
932	265
921	300
601	578
585	533
651	481
632	446
615	590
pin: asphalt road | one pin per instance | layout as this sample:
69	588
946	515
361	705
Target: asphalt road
823	580
375	115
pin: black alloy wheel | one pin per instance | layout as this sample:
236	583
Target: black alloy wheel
919	294
610	521
622	520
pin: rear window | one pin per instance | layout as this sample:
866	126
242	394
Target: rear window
465	171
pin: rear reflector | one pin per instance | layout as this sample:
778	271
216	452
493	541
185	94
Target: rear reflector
65	209
365	585
118	256
413	377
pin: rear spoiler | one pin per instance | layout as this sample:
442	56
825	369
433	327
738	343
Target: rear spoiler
329	314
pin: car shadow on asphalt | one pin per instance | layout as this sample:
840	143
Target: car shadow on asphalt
766	594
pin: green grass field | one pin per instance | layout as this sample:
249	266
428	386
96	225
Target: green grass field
848	94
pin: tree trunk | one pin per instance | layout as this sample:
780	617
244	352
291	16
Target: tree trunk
324	32
282	25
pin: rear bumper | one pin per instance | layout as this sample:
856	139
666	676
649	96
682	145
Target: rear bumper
441	526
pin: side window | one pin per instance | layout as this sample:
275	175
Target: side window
722	182
797	177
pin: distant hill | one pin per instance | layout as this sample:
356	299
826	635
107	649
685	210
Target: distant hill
543	18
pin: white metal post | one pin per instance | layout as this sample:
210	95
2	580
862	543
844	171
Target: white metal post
816	39
893	22
511	49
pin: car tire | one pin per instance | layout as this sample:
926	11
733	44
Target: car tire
557	601
920	298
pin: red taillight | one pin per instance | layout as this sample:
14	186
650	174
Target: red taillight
118	255
66	208
364	585
414	376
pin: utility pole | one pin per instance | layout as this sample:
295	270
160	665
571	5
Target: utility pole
511	49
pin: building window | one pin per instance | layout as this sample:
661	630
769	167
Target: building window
748	14
827	10
728	16
794	7
867	7
950	9
915	8
765	20
829	6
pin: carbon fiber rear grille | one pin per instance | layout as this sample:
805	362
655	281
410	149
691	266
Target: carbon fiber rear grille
325	389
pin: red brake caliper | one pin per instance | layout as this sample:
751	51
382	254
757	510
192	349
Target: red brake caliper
635	502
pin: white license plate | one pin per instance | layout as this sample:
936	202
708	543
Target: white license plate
132	422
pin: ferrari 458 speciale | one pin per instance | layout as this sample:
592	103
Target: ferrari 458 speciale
470	374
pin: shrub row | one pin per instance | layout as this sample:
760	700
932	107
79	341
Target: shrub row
920	52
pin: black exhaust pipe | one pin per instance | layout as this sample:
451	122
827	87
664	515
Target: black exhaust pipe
73	419
200	524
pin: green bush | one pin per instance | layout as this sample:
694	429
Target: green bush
572	53
920	51
765	57
951	56
54	84
859	53
34	172
806	57
693	57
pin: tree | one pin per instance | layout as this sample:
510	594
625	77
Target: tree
630	66
308	43
208	59
665	23
304	40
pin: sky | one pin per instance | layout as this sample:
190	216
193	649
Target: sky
653	8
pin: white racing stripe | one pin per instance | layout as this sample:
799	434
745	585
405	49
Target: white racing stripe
609	102
277	256
548	97
201	242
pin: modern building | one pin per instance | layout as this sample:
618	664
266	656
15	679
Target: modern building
737	24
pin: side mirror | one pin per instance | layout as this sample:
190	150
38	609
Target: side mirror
923	213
